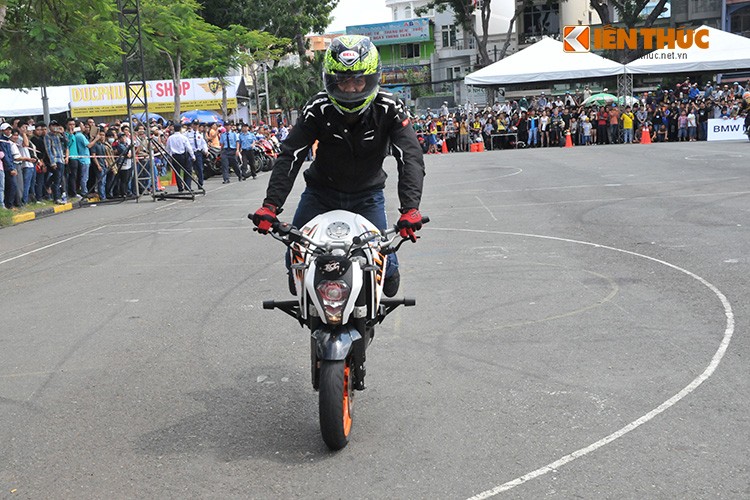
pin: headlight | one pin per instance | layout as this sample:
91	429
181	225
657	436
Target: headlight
334	295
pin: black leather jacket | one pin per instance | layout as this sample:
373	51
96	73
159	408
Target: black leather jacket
350	158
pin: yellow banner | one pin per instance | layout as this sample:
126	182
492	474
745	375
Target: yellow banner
157	107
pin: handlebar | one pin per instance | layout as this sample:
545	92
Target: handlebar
288	234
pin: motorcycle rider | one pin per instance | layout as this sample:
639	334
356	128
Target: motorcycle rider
354	123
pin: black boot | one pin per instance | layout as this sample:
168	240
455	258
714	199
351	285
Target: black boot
390	287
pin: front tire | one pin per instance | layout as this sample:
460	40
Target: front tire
335	403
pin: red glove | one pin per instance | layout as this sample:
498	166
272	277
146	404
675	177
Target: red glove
265	217
410	221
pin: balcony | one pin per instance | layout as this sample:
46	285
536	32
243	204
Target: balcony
460	48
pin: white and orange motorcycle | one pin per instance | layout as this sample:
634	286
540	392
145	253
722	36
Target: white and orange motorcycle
338	263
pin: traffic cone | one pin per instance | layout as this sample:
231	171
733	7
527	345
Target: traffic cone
473	147
158	184
445	146
568	140
174	179
645	135
480	147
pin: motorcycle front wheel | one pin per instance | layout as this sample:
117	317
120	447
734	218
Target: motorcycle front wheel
335	403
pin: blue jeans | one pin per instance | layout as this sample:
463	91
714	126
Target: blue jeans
627	135
533	137
58	180
83	176
101	183
369	204
28	179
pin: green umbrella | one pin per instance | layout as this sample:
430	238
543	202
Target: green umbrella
600	99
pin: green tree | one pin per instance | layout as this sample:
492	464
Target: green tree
419	83
630	13
236	47
176	31
291	19
45	42
293	87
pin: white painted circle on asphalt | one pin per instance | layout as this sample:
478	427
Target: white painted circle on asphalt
692	386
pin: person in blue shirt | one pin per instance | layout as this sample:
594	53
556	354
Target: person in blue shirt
533	130
694	92
84	157
71	159
230	150
247	139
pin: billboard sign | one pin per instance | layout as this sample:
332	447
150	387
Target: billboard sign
108	99
409	30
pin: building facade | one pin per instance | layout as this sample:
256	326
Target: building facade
455	50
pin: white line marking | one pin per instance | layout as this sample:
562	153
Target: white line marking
619	184
50	245
167	205
692	386
605	200
486	208
475	181
176	222
172	230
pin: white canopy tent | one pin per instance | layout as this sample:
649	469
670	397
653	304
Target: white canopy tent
545	61
725	51
28	102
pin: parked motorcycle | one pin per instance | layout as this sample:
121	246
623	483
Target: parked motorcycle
338	264
267	153
212	162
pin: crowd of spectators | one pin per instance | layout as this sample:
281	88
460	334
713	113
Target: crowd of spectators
668	115
80	158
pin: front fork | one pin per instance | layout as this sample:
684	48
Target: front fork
337	343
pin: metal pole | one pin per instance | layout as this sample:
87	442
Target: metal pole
45	103
257	96
268	100
723	15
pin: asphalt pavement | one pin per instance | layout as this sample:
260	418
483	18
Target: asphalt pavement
580	332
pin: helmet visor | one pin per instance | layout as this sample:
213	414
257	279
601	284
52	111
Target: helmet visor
351	88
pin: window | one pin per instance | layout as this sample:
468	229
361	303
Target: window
395	13
741	20
454	72
449	35
407	12
409	50
543	19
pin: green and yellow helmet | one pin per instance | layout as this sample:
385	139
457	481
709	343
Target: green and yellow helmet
351	57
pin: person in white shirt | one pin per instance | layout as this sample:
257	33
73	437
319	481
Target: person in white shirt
182	151
200	149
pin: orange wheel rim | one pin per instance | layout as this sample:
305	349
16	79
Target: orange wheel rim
347	400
